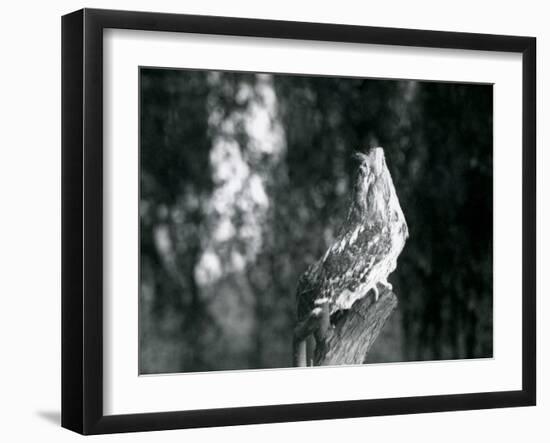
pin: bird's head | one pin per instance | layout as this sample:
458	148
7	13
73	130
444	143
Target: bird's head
371	191
373	162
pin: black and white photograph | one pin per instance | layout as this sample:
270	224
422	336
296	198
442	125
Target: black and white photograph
290	220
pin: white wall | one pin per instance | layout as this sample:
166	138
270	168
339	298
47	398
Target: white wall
30	218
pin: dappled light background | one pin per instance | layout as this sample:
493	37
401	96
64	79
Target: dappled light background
244	179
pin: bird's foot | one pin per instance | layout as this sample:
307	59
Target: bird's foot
387	285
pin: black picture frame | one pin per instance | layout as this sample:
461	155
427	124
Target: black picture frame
82	220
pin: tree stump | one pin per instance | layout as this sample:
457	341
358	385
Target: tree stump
353	334
348	340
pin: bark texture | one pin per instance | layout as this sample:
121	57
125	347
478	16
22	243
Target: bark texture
353	334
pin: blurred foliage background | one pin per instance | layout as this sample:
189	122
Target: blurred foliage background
244	179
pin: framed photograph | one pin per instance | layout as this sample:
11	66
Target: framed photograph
269	221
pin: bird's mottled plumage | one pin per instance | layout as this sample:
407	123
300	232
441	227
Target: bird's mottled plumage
367	245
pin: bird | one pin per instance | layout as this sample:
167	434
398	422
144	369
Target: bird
365	250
